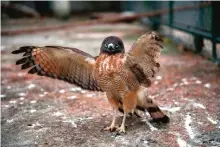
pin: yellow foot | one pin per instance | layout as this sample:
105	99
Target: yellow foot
110	128
121	129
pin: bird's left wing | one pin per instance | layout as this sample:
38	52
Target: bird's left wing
141	60
67	64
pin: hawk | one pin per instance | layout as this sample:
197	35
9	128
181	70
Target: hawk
122	76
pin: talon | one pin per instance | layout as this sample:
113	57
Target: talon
121	129
110	128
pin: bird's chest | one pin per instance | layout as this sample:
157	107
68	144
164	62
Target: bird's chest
108	70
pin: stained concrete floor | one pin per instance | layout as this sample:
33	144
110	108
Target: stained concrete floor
39	111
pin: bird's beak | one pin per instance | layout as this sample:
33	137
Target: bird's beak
111	46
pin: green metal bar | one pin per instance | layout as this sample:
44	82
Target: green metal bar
217	39
193	31
213	34
198	39
188	29
198	42
214	53
171	13
170	17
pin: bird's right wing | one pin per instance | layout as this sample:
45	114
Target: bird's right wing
68	64
141	60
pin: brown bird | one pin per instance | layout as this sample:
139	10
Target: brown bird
122	76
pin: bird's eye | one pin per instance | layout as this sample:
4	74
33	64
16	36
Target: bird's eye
116	46
106	45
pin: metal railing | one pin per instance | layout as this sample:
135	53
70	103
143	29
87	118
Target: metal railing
202	23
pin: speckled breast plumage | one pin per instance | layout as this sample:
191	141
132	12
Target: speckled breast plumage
112	76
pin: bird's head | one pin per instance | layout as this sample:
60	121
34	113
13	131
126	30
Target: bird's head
112	45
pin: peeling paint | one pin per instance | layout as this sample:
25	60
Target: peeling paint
156	82
207	85
3	47
175	85
75	89
6	106
184	79
158	77
62	91
57	113
72	97
152	128
193	78
12	102
21	98
212	120
172	110
10	120
21	94
32	102
36	124
198	82
90	95
170	89
20	74
8	87
83	91
181	142
2	95
41	95
188	121
31	86
198	105
33	110
72	123
185	83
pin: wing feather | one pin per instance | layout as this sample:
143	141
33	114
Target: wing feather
142	58
68	64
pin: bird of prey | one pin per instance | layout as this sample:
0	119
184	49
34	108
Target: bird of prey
122	76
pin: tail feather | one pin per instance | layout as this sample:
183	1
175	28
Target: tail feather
157	114
164	119
146	103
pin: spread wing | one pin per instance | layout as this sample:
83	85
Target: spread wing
68	64
142	58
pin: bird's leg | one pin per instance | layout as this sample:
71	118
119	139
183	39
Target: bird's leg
129	104
121	129
112	126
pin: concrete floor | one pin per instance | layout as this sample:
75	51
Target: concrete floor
39	111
